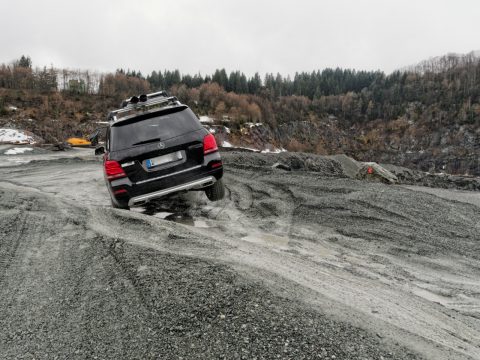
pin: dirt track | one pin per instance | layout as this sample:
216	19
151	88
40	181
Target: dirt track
300	264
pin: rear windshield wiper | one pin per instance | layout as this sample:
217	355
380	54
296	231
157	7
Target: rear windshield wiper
146	141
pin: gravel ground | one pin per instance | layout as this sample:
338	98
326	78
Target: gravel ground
292	265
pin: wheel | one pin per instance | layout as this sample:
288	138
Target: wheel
216	191
117	206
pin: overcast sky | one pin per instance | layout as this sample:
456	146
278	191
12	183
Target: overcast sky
260	35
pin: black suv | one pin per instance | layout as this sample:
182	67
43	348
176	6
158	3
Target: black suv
155	146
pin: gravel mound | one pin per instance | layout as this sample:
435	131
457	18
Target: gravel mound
349	165
445	181
295	161
343	166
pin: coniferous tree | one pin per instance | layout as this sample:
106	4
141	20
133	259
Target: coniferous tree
25	62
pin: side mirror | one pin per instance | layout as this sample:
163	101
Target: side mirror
100	150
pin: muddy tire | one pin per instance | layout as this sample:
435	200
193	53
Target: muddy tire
116	206
216	191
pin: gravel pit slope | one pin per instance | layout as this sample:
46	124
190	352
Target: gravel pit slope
300	264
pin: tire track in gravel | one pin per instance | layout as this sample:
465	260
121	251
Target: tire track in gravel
367	255
382	217
14	230
92	295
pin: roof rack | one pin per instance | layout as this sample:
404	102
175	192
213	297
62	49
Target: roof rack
141	104
143	98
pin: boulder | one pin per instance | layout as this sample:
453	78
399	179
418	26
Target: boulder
374	172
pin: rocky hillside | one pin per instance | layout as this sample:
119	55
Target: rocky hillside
425	117
453	149
53	116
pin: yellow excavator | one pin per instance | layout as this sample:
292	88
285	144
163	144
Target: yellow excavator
90	140
79	142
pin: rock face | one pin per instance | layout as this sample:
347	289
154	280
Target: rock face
425	147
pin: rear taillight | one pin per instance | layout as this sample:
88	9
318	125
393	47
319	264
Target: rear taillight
120	192
113	170
215	164
209	144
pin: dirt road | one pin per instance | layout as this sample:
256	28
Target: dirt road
292	264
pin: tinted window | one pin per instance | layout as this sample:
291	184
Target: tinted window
165	126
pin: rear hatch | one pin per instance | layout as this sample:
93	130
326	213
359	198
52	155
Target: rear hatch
153	146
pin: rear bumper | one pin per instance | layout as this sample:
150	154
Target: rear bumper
197	184
124	192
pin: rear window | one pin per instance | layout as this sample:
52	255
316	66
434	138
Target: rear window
162	127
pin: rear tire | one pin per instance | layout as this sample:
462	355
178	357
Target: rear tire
116	206
216	191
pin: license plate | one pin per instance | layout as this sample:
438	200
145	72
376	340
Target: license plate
164	159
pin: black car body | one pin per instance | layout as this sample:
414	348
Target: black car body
157	147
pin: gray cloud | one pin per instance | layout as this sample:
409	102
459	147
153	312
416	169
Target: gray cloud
265	36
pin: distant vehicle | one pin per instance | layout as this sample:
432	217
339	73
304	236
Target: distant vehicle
156	146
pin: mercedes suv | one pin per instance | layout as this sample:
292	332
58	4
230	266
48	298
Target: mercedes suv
156	146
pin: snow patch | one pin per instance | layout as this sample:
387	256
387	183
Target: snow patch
206	120
13	136
246	148
274	151
16	151
226	144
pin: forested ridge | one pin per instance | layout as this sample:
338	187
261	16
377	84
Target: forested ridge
426	116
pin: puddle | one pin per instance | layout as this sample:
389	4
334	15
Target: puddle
11	156
162	215
17	150
200	224
147	211
186	219
177	208
267	239
181	219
